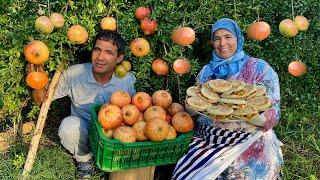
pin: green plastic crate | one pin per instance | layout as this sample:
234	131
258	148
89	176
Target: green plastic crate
113	155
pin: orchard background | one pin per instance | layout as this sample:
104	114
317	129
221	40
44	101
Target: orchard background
300	104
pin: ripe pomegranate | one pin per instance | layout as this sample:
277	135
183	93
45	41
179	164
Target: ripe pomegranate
156	129
110	116
142	100
172	134
182	122
126	64
77	34
120	98
297	68
108	23
162	98
36	52
142	12
44	25
181	66
57	19
301	22
288	28
154	111
120	71
140	47
160	67
38	96
148	26
140	128
259	30
130	114
183	36
37	80
108	133
125	134
174	108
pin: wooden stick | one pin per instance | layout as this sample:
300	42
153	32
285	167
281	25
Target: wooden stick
40	125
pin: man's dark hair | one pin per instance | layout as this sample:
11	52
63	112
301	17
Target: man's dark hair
114	37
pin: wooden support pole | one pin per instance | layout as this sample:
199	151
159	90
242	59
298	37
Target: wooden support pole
40	125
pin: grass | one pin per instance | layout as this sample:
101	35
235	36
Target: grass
298	129
300	133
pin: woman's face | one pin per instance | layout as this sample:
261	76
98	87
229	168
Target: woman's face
224	43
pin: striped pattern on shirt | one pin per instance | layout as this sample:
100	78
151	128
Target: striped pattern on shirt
203	151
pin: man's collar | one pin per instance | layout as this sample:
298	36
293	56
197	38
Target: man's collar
91	79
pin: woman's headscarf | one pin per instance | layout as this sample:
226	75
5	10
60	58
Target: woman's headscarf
220	68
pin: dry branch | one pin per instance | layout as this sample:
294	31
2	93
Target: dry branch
40	125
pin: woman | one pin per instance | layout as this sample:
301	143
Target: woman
234	150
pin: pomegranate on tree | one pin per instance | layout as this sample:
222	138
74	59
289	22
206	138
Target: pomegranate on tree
36	52
38	96
120	71
37	80
140	47
142	12
297	68
77	34
44	25
301	22
57	19
148	26
183	36
126	64
181	66
258	30
288	28
160	67
108	23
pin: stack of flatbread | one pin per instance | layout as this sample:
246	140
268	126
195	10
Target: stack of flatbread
224	100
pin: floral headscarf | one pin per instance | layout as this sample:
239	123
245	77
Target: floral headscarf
220	68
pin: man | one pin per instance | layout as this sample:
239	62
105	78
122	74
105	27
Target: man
87	84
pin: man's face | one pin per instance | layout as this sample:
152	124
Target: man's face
105	57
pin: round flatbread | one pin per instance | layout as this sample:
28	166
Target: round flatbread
261	103
220	110
246	113
237	85
219	85
193	90
261	90
210	95
236	94
251	90
197	103
236	90
234	103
